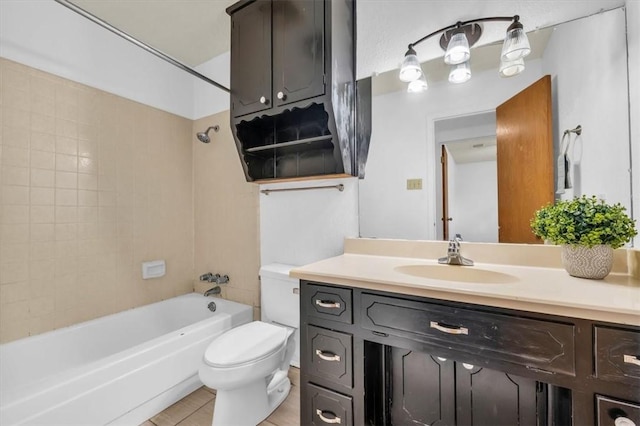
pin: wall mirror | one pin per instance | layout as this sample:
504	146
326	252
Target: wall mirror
401	195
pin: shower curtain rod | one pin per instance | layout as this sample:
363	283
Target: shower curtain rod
138	43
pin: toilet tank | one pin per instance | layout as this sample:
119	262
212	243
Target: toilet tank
279	295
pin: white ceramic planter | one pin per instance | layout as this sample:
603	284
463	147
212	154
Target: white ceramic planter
593	263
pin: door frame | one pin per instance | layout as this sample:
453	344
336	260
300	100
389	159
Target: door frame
434	165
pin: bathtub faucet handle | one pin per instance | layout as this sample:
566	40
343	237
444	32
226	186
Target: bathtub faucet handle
222	279
209	277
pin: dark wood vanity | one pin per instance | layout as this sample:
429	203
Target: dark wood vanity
378	358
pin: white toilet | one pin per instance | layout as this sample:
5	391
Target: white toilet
248	365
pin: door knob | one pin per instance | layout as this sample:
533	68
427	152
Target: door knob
281	96
264	100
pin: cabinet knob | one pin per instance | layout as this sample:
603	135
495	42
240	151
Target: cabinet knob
624	421
281	96
264	100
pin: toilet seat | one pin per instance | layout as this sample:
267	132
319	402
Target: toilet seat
246	344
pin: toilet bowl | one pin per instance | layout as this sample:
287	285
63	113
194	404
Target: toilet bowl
248	365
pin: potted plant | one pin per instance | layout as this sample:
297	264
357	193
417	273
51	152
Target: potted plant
588	230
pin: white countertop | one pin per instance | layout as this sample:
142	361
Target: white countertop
537	289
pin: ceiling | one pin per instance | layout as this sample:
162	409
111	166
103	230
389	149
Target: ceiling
194	31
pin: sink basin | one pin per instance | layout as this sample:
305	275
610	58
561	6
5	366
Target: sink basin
467	274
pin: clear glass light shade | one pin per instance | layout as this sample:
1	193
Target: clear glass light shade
460	73
457	50
418	86
511	68
516	45
410	69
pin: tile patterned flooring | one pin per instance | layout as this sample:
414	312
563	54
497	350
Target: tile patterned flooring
196	409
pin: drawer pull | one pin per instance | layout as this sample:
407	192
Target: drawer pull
324	356
631	359
449	330
329	304
334	421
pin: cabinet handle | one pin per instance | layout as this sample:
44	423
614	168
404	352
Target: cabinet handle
264	100
631	359
330	304
332	357
334	421
449	330
281	96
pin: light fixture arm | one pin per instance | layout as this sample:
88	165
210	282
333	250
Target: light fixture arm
460	24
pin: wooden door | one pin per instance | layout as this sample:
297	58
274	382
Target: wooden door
444	161
525	160
298	50
251	59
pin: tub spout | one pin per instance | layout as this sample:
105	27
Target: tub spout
213	291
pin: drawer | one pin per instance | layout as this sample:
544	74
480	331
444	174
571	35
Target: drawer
331	355
333	303
613	412
536	344
617	354
326	407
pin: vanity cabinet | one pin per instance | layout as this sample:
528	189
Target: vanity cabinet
378	358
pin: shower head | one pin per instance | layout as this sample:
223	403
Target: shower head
204	136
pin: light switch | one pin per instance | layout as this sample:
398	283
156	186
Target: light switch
414	184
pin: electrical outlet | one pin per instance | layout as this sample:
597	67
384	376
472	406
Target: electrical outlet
414	184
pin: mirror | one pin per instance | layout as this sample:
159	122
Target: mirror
588	70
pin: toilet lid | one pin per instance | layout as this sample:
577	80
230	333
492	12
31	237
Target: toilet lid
246	343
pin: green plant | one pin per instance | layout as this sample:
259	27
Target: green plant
584	221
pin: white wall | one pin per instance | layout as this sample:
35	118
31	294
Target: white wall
602	151
46	35
476	200
633	40
300	227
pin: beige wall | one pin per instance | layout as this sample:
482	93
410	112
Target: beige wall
92	185
226	215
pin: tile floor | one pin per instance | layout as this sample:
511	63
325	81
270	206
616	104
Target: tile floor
196	409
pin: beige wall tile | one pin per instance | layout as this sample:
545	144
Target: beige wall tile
15	175
227	239
93	184
43	160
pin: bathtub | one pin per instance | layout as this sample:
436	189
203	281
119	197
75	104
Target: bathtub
120	369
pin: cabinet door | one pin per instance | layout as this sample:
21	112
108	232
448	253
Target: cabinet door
298	50
422	389
251	59
487	397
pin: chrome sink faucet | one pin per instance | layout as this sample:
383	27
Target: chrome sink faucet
453	254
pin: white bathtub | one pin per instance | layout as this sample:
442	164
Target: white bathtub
120	369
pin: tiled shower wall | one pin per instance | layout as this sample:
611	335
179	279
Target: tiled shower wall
91	185
226	215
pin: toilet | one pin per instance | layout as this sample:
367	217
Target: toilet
248	365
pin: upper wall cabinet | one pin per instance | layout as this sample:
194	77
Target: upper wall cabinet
278	54
293	89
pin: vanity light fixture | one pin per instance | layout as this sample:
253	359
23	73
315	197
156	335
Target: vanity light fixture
456	40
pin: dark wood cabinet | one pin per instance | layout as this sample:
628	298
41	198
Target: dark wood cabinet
298	50
278	54
294	97
399	360
251	59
